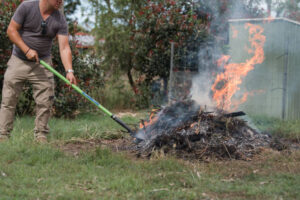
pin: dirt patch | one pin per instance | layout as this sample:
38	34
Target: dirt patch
126	145
127	114
75	146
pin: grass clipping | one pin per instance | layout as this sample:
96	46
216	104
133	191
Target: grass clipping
185	130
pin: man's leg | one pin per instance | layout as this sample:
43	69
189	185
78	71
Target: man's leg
43	93
12	87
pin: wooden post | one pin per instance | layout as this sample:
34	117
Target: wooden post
170	95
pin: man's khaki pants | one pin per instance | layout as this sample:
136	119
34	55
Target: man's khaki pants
42	81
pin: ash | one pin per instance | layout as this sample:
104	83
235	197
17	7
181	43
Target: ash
186	130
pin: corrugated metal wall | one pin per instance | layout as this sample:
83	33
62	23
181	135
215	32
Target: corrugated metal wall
293	66
268	81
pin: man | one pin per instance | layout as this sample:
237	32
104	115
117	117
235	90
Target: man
32	29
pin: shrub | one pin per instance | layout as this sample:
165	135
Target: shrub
89	77
6	12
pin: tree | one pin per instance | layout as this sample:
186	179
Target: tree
159	23
191	24
269	7
112	23
6	12
70	6
289	9
138	34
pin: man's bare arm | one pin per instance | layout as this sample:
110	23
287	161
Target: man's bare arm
66	56
14	36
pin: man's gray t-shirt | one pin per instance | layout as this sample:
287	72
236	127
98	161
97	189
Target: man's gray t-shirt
28	15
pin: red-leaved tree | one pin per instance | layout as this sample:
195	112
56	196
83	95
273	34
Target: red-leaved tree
157	25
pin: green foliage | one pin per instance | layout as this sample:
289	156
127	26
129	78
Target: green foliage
6	12
88	74
70	7
138	35
137	38
158	23
118	95
289	9
289	129
112	25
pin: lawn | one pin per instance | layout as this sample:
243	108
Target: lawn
33	171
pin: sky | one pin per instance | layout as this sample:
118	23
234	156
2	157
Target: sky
81	15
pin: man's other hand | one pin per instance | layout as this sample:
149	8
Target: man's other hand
70	76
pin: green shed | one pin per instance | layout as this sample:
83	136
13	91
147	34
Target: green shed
275	84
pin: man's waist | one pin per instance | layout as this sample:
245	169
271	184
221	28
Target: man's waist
18	53
26	60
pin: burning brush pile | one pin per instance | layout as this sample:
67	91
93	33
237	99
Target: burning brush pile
187	131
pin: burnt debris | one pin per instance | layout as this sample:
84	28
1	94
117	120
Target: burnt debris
186	130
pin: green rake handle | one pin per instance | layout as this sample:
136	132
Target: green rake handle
87	97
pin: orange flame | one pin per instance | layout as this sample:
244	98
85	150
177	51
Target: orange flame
222	61
152	119
227	83
193	124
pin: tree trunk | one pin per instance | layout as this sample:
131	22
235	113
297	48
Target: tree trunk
108	5
131	82
269	7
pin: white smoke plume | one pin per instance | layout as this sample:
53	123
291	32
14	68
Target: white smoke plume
210	52
201	89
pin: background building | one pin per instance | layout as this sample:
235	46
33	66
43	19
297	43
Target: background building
275	84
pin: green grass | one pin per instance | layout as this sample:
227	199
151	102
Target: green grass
32	171
286	129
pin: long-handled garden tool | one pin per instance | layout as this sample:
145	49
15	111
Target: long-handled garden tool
88	97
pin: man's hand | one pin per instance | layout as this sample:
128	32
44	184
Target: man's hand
70	76
32	55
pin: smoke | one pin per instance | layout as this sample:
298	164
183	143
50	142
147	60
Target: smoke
212	50
201	89
207	68
209	53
